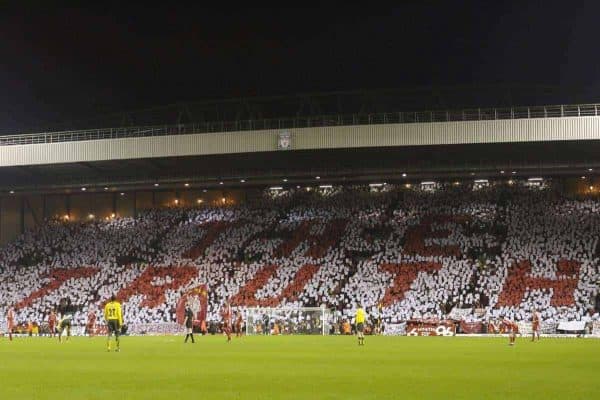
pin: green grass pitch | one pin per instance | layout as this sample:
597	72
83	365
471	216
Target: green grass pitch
300	367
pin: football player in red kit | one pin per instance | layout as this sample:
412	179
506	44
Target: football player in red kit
91	323
52	323
512	329
10	321
535	325
238	324
226	315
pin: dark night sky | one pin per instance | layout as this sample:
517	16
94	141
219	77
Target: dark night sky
77	63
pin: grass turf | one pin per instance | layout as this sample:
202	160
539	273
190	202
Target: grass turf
300	367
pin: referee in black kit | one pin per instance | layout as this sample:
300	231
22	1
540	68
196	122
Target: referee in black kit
189	324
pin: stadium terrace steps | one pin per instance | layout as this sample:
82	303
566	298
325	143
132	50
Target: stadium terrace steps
342	240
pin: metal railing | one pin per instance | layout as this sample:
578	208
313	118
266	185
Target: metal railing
406	117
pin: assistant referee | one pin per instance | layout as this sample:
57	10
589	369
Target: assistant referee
114	320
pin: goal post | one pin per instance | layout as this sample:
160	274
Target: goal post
288	320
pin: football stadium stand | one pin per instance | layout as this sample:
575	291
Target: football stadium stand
403	253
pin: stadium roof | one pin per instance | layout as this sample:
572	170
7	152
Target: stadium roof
302	167
464	161
366	101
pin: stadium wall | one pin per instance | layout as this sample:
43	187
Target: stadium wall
356	136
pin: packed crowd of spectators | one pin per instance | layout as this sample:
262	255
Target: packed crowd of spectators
401	253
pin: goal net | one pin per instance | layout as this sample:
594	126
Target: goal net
288	321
